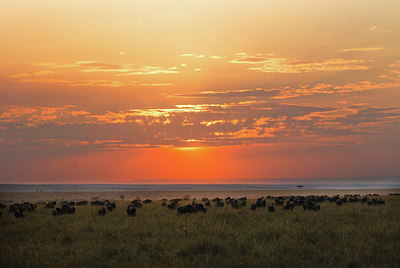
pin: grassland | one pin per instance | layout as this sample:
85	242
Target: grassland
353	235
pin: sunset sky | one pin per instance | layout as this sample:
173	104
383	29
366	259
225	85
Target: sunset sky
185	91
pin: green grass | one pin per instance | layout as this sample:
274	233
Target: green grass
353	235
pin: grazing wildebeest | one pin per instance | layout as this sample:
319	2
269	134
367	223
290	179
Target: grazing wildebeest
111	206
279	201
97	203
57	212
339	202
81	203
188	209
164	204
220	203
102	212
131	210
271	208
172	205
19	213
316	207
289	205
136	203
253	207
67	209
261	202
51	204
235	204
148	201
207	203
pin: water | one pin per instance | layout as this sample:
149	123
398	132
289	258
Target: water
185	187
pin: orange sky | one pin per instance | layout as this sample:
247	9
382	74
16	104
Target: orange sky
198	91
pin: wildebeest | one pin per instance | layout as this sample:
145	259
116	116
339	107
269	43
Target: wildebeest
26	206
3	206
289	205
97	203
172	205
261	202
81	203
19	213
164	203
339	202
220	203
131	210
271	208
253	207
50	205
136	203
316	207
64	209
188	209
110	206
102	212
57	212
147	201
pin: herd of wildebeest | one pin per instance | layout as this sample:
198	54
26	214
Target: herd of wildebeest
270	203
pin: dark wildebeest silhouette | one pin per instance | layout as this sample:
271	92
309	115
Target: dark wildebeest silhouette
339	202
81	203
271	208
136	203
253	207
220	203
148	201
19	213
97	203
189	209
261	202
174	203
289	205
3	206
131	210
111	206
56	212
102	212
316	207
51	204
67	209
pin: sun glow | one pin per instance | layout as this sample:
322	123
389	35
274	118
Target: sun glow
189	148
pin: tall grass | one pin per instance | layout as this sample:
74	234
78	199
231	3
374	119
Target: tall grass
353	235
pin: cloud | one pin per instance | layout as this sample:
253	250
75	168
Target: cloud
201	56
216	124
156	85
242	93
147	70
265	63
32	74
81	83
360	49
125	69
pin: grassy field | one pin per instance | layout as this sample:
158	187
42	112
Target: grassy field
353	235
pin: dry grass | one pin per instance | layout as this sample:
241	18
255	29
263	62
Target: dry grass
353	235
